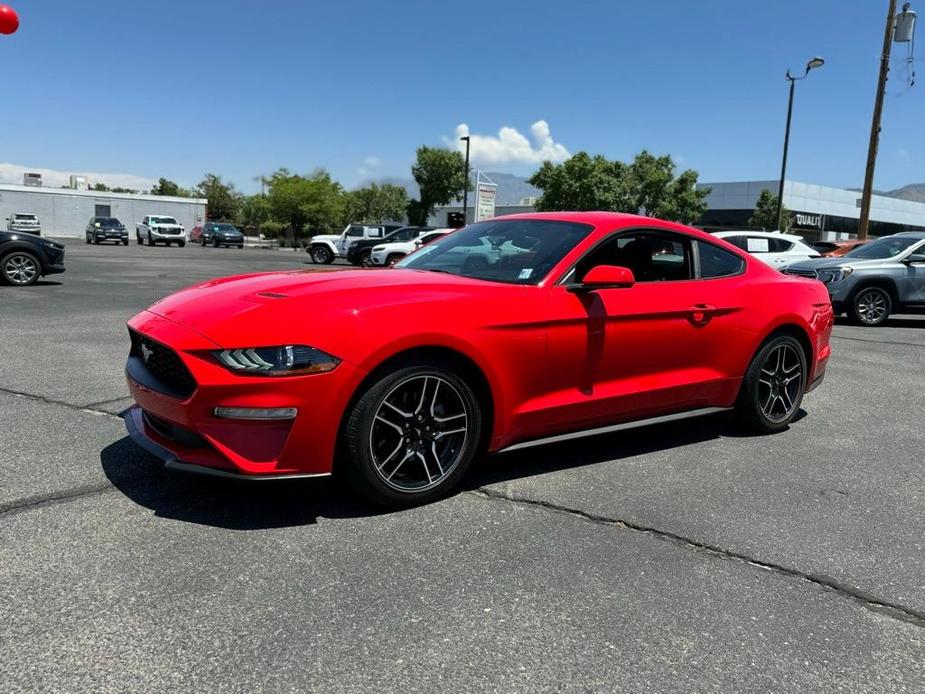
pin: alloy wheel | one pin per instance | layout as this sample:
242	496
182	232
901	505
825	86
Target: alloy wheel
20	268
779	383
872	306
419	433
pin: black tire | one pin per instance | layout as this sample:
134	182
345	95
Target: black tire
96	241
394	258
138	239
150	239
240	245
870	306
321	255
420	439
20	268
87	238
365	259
772	390
215	243
181	244
125	242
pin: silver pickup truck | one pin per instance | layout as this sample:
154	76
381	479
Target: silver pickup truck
874	280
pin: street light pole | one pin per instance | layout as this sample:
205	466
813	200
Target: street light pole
864	221
466	189
812	64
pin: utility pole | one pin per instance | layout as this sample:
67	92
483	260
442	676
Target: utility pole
864	221
466	189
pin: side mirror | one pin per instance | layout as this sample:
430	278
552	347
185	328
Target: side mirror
604	277
915	258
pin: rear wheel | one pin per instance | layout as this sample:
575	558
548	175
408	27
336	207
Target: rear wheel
20	268
871	306
411	436
772	389
321	255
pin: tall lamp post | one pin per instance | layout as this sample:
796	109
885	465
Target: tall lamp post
811	65
466	189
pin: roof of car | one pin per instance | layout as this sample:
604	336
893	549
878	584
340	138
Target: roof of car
912	234
760	234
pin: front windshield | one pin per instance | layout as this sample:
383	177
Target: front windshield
223	227
885	247
107	221
163	220
516	251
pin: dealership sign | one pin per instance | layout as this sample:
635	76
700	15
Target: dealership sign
486	192
813	221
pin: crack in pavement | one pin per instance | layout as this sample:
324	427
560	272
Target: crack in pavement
110	400
878	342
897	611
29	503
88	409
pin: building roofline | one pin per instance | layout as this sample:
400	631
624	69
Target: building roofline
14	188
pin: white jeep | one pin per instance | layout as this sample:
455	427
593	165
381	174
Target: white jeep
325	248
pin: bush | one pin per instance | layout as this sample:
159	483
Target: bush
273	230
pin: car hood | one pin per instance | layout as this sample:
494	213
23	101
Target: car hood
326	309
817	263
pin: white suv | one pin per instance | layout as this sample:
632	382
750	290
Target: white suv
772	247
23	221
391	253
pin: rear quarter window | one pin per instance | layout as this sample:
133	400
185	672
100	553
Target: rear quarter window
718	262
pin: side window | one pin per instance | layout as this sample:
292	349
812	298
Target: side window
738	241
718	262
354	232
652	256
780	245
375	232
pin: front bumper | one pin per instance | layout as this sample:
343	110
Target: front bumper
186	430
167	236
378	258
110	235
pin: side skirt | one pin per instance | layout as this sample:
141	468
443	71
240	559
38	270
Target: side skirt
615	427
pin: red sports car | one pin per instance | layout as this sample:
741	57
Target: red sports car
507	333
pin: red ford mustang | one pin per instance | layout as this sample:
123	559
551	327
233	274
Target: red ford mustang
508	333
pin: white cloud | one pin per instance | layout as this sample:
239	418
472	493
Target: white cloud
12	173
370	164
510	146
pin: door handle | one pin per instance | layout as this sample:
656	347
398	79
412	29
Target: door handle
701	313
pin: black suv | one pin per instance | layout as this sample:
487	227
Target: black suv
24	257
106	229
359	252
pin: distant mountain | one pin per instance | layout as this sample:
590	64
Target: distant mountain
511	189
913	191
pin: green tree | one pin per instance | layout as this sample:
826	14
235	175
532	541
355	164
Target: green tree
102	187
583	183
253	211
376	203
305	203
441	177
224	200
165	186
765	215
647	185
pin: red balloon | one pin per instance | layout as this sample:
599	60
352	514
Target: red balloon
9	21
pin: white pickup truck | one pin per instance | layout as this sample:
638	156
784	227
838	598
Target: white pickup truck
156	228
325	248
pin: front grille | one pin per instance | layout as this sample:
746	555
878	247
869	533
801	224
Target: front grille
802	273
169	372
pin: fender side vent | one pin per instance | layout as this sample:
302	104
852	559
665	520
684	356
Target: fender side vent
273	295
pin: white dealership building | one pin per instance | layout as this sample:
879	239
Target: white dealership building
817	212
64	212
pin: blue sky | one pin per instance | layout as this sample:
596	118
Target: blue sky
176	89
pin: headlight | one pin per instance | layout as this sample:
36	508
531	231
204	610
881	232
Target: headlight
833	275
287	360
378	249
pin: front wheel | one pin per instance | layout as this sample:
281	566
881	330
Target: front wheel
150	239
394	258
366	259
411	436
181	244
772	389
20	268
871	306
321	255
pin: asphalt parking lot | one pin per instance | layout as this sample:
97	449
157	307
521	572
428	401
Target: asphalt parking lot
679	558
